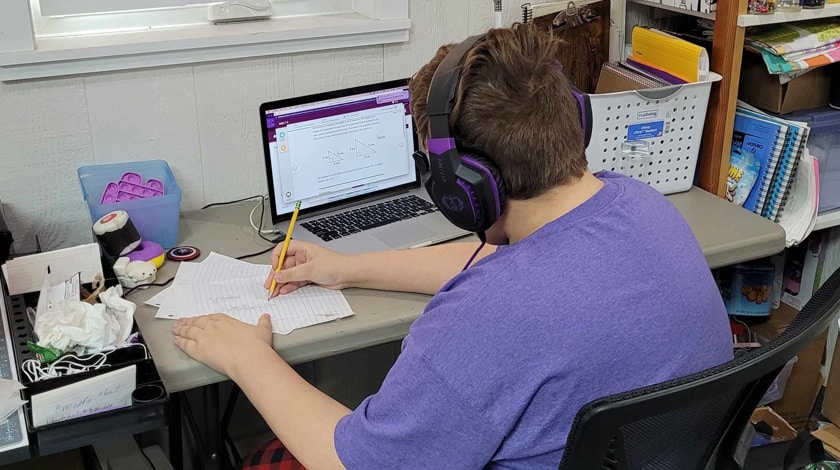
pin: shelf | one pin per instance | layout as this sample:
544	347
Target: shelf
708	16
830	10
828	220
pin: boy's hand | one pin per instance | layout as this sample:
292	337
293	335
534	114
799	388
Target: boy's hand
222	342
308	263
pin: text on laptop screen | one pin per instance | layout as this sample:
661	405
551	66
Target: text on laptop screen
335	149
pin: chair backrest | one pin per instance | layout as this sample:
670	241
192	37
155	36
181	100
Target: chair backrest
693	422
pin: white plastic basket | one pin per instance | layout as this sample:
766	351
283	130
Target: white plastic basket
652	135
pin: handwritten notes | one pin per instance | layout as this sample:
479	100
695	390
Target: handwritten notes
106	392
225	285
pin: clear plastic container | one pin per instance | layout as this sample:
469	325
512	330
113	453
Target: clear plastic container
156	218
824	145
788	5
761	7
777	388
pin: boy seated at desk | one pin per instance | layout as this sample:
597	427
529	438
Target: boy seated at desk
593	285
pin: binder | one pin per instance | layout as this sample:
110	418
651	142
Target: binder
667	53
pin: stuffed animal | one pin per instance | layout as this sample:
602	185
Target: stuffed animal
134	273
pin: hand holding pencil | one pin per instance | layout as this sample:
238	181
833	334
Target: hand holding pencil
305	263
285	248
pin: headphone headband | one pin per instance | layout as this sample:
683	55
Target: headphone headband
444	84
467	188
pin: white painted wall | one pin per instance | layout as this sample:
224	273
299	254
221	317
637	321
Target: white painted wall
202	119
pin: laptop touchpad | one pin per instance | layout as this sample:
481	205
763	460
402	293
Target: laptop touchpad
403	234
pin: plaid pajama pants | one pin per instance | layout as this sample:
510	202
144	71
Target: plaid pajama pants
271	456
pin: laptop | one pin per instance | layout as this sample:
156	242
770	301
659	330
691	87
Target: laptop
347	156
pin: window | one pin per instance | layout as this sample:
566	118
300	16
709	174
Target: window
40	38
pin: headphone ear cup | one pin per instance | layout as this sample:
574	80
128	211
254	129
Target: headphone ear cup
585	110
500	196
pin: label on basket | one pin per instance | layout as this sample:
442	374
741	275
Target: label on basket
646	130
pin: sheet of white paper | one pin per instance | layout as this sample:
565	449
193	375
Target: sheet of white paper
246	300
26	274
50	294
227	285
109	391
158	298
168	308
216	265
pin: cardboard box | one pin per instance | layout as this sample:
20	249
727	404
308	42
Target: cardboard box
805	379
830	437
781	429
831	400
809	265
762	90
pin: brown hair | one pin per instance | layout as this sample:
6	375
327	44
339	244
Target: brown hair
514	107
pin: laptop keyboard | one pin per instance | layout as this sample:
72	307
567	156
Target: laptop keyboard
368	217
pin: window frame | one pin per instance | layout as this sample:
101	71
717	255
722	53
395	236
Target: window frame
25	55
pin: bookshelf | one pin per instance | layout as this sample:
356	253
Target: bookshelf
730	23
657	5
832	9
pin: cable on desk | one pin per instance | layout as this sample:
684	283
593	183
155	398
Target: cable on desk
154	284
231	202
257	254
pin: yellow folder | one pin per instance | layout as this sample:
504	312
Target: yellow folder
671	54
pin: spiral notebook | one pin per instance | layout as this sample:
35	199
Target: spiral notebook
765	141
785	140
797	137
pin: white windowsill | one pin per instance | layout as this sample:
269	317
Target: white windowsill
204	43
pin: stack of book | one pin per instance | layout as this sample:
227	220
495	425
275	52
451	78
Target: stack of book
789	50
776	148
658	59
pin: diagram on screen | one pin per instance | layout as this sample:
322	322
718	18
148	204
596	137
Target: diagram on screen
333	155
333	158
363	151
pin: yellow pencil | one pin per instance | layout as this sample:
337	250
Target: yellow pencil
285	247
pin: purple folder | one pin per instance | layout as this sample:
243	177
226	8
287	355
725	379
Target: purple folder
674	80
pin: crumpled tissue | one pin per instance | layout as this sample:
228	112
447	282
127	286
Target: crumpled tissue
70	324
10	399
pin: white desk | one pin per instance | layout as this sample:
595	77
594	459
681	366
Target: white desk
726	233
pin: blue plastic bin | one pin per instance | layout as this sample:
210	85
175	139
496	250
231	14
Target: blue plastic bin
156	218
824	145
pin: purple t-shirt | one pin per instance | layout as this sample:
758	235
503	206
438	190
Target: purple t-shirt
612	296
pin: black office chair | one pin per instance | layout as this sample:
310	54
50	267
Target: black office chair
694	422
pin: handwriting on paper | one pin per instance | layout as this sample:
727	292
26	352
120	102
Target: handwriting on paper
109	391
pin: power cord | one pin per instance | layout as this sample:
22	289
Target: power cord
231	202
260	206
259	252
154	284
259	229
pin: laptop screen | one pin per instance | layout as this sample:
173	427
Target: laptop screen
329	148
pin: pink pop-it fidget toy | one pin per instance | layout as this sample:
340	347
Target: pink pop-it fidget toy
130	187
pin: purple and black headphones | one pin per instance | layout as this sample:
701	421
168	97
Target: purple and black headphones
466	187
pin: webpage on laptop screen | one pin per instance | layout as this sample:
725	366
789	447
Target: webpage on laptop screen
332	150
